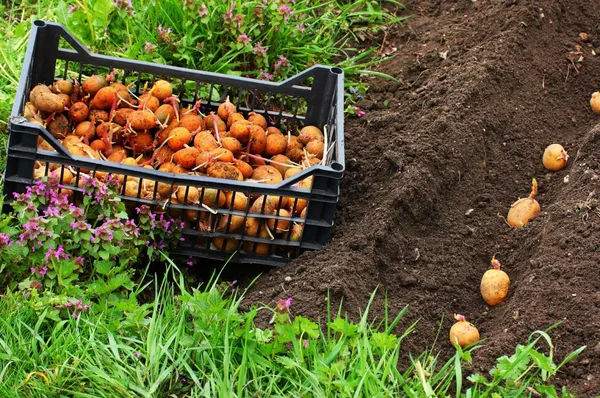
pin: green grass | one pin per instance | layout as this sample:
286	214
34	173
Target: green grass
198	343
331	29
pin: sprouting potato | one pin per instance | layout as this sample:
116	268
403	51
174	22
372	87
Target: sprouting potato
93	84
267	175
494	284
192	122
463	333
226	109
257	119
79	112
162	89
59	126
48	102
524	210
179	138
186	157
141	120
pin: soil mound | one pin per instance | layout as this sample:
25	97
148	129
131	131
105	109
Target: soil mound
438	160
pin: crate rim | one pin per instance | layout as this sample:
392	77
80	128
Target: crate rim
337	167
30	74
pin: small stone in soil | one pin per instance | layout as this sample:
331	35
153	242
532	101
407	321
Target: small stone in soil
287	279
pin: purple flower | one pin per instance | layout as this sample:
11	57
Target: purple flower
102	233
125	5
244	39
164	34
51	253
202	11
281	62
305	344
32	269
27	294
259	49
43	271
52	212
80	225
239	19
4	240
72	9
301	27
359	112
229	13
75	315
143	209
77	212
137	354
22	198
265	76
285	10
149	47
79	260
284	305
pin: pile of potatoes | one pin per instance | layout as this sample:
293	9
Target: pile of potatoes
104	120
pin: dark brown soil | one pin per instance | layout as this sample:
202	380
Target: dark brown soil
430	176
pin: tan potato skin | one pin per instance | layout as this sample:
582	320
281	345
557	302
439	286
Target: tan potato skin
595	102
268	173
522	212
464	332
235	223
186	157
224	170
551	156
229	246
494	286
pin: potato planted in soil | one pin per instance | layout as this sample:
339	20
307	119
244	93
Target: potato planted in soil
462	332
494	284
524	210
555	157
102	119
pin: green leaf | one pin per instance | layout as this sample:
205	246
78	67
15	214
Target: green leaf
344	327
263	336
103	267
384	341
510	368
304	325
122	215
114	250
546	391
477	378
66	269
543	361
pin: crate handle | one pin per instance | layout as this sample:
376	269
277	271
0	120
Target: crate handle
54	143
77	46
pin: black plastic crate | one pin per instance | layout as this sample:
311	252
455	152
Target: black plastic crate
313	97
